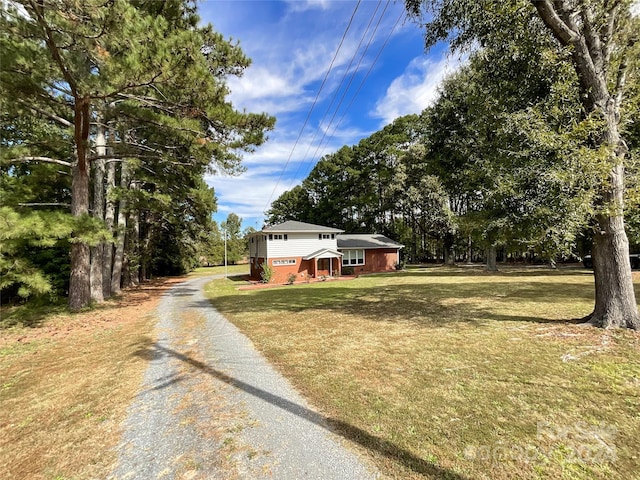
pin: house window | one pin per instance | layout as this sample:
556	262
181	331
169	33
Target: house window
352	257
285	261
277	236
325	236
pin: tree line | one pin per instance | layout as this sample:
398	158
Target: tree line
226	241
531	148
111	114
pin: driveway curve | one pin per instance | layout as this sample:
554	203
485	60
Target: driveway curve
212	407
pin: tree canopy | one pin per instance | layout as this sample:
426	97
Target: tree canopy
121	107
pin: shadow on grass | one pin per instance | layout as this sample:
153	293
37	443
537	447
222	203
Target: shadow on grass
239	277
431	304
35	313
480	271
29	315
344	429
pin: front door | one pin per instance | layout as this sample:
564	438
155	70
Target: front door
323	266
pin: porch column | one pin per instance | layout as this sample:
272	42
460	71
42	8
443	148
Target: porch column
331	267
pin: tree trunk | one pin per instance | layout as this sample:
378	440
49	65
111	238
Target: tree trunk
145	244
79	281
449	253
492	254
469	250
615	297
121	229
133	243
109	220
97	252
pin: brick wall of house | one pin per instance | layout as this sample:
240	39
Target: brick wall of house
378	260
302	269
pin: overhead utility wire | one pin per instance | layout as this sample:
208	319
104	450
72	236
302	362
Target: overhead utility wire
364	79
344	35
315	154
337	90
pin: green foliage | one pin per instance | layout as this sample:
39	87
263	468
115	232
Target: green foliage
266	272
29	241
291	278
156	79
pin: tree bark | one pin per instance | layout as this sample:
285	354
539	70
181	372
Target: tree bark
109	220
134	246
492	254
79	281
97	252
121	229
449	253
615	304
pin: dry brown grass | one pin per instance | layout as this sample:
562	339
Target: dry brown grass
66	385
430	370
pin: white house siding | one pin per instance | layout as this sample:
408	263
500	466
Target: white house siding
257	247
298	245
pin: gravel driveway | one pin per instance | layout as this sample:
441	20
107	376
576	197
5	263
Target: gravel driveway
212	407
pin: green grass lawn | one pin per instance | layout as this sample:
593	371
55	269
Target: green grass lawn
219	270
457	373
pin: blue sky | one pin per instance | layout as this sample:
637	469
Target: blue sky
292	44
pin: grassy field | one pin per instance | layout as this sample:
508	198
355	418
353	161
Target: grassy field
456	373
66	382
219	270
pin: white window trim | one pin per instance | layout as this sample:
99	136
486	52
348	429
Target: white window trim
346	257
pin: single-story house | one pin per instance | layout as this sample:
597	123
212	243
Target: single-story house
311	251
368	253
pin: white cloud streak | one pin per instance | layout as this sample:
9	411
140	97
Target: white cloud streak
415	89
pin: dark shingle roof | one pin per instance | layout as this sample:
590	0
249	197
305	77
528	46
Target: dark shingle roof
366	241
293	226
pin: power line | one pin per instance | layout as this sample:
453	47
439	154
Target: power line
315	154
337	90
362	82
344	35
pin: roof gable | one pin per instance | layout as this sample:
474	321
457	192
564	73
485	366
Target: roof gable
294	226
323	253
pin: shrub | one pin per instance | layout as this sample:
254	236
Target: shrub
347	271
291	278
267	273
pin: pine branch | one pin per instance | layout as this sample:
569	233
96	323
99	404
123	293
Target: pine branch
38	10
51	204
52	116
39	159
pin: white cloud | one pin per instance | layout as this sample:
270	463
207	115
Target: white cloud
304	5
282	84
415	89
635	9
247	195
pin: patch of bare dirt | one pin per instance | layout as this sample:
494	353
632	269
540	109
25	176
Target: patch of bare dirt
133	303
